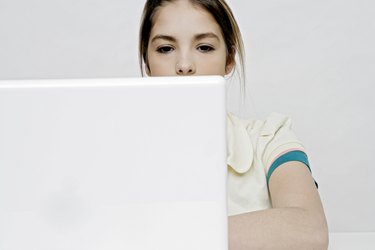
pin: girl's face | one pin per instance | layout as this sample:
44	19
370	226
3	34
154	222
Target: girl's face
186	40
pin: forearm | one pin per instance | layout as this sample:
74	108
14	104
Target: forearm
277	228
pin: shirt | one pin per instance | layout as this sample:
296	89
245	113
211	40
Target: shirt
255	149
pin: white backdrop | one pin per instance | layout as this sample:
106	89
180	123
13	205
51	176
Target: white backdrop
312	60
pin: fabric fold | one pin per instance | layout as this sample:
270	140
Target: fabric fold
240	149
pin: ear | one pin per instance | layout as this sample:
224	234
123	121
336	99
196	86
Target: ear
229	67
231	62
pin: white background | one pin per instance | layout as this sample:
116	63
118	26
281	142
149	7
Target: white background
312	60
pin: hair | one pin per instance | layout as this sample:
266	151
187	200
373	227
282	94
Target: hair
221	13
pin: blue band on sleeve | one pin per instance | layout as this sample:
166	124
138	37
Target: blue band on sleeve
295	155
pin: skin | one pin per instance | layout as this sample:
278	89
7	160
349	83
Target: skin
186	40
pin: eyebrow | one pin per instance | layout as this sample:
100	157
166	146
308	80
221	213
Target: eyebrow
206	35
163	37
196	37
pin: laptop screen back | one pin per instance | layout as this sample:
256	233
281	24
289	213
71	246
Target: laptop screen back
135	163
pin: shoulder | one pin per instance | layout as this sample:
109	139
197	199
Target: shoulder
269	125
264	139
256	148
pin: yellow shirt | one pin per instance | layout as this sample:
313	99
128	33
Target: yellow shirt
253	145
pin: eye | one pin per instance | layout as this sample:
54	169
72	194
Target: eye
165	49
205	48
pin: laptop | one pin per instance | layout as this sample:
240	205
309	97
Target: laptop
133	163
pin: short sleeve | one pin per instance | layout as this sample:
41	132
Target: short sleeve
255	149
278	144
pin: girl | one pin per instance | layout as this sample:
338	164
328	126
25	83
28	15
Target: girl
273	202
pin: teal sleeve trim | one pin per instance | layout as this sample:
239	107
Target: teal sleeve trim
295	155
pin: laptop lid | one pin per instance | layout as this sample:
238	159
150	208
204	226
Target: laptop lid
136	163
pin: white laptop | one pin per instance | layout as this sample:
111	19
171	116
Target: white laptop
131	164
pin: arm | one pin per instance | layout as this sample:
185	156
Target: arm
296	221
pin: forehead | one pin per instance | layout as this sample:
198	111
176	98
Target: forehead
182	16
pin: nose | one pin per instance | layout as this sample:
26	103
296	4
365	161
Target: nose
185	67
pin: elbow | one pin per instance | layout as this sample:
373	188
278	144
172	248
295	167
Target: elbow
312	232
323	238
319	235
320	239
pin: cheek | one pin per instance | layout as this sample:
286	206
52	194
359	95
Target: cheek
213	66
160	68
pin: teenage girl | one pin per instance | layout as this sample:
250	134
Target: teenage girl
273	202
